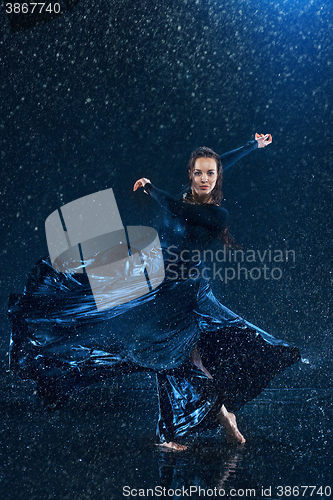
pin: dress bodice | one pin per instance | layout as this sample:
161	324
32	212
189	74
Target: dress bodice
187	229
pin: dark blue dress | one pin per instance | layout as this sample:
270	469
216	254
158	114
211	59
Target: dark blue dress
63	342
241	357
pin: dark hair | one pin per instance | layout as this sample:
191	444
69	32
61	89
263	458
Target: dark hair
216	195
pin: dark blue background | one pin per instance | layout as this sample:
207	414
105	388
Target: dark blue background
116	90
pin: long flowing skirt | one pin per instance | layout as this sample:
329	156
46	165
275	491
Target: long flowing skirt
63	342
242	359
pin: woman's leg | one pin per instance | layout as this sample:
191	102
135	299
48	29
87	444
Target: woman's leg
226	419
228	422
197	361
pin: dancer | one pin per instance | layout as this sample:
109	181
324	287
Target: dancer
206	358
239	358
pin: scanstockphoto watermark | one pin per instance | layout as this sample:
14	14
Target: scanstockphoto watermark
189	491
228	265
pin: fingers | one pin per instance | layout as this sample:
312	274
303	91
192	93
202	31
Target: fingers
140	183
267	139
263	139
137	185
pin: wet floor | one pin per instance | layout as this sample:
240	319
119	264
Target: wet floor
100	445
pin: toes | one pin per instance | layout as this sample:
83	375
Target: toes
172	446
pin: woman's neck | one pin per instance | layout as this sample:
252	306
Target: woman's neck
202	200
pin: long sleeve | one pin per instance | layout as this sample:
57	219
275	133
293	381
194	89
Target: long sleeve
228	159
202	215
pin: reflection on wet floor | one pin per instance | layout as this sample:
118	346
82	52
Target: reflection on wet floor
100	445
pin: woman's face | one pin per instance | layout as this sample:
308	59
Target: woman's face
203	178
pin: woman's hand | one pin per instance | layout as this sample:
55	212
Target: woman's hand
263	140
141	183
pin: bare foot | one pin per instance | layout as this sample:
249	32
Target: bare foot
228	421
173	446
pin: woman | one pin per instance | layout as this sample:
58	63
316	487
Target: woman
242	357
63	342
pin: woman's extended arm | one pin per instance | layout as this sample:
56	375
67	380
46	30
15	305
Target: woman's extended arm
230	158
202	215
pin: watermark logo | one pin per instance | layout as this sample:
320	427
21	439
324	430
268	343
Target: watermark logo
24	14
227	265
88	236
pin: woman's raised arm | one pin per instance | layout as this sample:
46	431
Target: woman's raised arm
230	158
